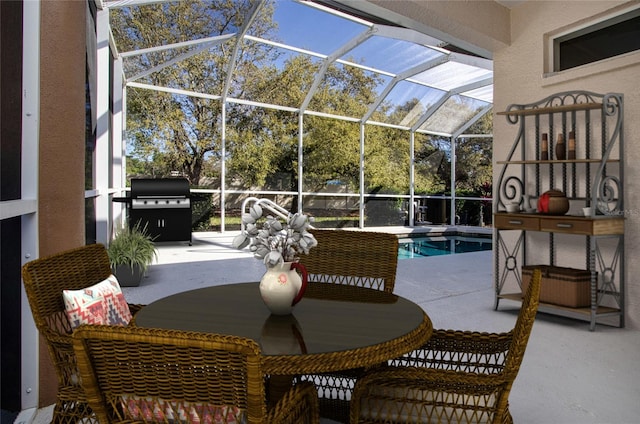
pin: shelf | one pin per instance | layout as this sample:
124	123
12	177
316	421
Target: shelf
589	180
570	312
552	162
552	109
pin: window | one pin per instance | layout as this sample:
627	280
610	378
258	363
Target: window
608	38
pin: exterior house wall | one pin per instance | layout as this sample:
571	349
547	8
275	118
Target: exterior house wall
62	144
519	77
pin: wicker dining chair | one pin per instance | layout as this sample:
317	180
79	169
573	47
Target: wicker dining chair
44	280
359	258
136	374
456	377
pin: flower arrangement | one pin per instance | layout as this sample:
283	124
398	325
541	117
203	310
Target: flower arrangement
275	242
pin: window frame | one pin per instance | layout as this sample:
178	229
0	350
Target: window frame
594	24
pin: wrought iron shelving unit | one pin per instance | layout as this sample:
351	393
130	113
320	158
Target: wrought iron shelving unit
593	179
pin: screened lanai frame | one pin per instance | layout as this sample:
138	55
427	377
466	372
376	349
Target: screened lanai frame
441	76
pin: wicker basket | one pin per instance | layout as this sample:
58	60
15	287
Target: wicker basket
561	286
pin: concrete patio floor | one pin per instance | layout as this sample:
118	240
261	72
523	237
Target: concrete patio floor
569	374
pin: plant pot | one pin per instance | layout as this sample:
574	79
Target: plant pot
128	276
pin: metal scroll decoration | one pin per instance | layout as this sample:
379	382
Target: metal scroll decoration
605	192
511	190
607	201
608	197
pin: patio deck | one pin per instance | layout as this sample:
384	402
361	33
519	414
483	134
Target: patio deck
569	374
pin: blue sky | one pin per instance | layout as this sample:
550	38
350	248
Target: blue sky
305	27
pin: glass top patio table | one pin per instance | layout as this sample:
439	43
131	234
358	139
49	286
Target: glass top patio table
334	327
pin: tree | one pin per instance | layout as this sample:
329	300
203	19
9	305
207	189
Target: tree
185	128
474	165
179	132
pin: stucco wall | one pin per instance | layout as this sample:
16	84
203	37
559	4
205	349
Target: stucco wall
519	77
62	143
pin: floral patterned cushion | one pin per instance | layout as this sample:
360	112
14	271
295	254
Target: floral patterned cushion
102	303
148	409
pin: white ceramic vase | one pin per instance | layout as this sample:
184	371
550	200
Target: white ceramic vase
281	287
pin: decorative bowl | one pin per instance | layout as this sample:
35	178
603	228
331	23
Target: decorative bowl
513	207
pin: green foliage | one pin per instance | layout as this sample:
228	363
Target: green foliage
201	211
169	132
132	247
184	129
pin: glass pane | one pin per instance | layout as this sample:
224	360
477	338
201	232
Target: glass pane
406	104
346	91
171	134
331	158
391	55
485	93
281	77
451	75
453	114
262	149
382	211
386	161
177	21
333	211
473	212
474	180
431	166
309	28
606	39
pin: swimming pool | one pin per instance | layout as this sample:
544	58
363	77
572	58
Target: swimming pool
420	247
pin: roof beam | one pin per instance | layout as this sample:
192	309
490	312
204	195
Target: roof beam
172	61
126	3
236	49
218	39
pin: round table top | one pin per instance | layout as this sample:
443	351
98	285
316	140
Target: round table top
333	327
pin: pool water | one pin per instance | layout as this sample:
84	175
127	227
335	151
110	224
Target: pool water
420	247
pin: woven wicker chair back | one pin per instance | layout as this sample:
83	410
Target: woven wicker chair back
128	371
44	280
457	376
359	258
524	324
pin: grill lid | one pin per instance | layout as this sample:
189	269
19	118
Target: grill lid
159	188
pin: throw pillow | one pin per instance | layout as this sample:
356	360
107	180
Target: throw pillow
102	303
157	409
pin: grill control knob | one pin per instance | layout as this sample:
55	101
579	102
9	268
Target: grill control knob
145	202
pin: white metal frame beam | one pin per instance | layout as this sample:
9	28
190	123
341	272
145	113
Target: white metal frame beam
102	162
27	206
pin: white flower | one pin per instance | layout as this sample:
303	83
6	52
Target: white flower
240	241
275	241
256	212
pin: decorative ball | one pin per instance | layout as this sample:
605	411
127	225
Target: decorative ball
553	202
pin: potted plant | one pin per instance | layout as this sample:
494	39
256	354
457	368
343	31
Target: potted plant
130	252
